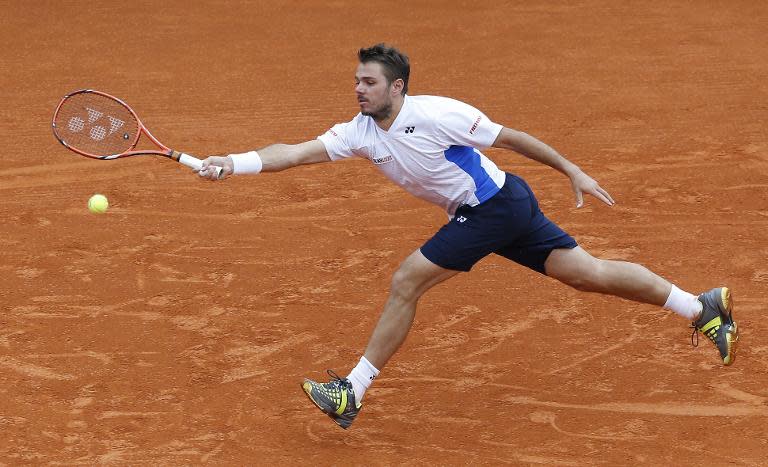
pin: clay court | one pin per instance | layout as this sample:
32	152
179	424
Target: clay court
176	328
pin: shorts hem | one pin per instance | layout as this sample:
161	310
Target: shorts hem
432	260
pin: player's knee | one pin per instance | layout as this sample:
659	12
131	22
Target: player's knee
403	285
585	277
577	282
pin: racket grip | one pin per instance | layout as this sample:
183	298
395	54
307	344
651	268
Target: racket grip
192	162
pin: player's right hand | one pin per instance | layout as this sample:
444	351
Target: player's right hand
225	162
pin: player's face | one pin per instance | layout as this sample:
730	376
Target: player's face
374	94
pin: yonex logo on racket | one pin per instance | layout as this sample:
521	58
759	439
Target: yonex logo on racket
76	124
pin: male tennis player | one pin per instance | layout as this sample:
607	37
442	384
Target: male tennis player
431	146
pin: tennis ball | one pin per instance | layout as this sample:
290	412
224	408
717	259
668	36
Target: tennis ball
98	204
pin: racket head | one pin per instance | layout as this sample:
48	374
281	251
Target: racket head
95	124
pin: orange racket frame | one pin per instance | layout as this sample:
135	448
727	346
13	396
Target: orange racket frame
182	158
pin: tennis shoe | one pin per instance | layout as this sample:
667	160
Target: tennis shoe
716	323
335	398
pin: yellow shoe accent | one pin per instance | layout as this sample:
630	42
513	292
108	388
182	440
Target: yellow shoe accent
725	295
343	404
713	324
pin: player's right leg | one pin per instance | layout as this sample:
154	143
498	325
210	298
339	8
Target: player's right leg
413	278
339	398
473	233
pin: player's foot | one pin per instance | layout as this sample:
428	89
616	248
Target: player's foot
716	322
335	398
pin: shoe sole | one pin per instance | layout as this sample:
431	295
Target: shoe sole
732	335
731	338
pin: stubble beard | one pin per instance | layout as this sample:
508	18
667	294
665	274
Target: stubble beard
380	114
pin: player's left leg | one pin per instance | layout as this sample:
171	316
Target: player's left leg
710	311
582	271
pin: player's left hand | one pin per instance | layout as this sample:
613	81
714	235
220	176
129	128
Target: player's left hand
583	183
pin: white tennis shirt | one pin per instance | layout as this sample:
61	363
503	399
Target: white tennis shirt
432	150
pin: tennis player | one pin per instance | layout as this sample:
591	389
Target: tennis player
431	146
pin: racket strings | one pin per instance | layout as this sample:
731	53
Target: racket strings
96	124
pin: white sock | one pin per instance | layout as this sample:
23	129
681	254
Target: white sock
361	378
683	303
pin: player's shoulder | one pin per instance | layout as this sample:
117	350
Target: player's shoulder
439	105
426	100
354	133
359	124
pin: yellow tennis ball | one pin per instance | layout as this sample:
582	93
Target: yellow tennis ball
98	204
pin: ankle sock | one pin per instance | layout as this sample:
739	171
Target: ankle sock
361	378
683	303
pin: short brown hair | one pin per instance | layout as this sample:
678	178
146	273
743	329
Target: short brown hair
394	62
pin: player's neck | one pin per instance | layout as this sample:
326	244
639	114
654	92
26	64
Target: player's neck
386	122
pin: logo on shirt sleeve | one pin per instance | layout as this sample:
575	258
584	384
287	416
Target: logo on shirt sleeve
474	127
333	133
381	160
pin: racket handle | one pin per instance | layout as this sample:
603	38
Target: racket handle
191	162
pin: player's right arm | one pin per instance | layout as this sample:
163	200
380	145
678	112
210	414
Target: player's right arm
274	158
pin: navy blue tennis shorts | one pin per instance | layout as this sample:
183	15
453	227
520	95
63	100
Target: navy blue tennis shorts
509	224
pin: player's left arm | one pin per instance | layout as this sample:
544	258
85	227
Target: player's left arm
532	148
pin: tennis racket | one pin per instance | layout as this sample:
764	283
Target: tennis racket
97	125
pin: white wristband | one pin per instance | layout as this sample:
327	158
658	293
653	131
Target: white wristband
246	163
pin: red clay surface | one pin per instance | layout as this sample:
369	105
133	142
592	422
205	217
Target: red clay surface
176	328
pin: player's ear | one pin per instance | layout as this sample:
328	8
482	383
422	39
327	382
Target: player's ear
397	86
